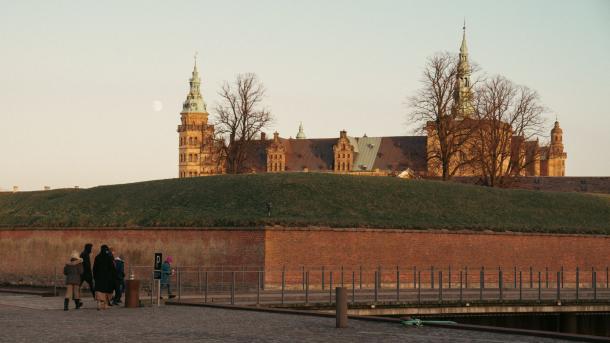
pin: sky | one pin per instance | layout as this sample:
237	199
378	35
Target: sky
91	91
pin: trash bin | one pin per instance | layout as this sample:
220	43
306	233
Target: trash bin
132	293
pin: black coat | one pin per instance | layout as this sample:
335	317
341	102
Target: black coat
104	273
87	275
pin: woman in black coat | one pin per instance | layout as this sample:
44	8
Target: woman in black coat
104	275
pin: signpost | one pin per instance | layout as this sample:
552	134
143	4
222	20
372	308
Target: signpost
157	265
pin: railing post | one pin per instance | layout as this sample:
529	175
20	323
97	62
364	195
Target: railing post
303	276
577	283
353	287
449	277
481	283
531	278
547	276
360	277
397	284
414	277
440	286
515	277
322	277
540	284
594	285
307	287
283	284
562	277
376	295
205	296
558	286
466	276
233	288
330	287
199	278
520	285
500	284
419	287
179	281
460	286
258	288
432	277
342	284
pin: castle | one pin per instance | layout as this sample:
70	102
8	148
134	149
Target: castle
199	151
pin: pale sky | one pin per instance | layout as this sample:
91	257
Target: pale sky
79	80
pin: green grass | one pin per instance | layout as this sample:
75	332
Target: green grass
303	199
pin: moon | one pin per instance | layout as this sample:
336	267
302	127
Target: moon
157	106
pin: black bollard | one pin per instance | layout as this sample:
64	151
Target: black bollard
341	309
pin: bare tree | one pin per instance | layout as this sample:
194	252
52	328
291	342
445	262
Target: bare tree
431	110
240	116
509	115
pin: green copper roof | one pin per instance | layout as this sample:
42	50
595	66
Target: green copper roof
194	101
365	149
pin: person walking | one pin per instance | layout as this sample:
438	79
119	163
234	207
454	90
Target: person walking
166	272
104	276
73	270
119	265
87	275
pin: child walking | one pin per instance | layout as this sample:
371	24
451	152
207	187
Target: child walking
73	270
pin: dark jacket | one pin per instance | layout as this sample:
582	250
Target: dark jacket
86	256
73	271
119	265
104	273
166	272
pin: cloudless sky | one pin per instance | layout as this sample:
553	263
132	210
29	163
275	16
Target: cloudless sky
90	91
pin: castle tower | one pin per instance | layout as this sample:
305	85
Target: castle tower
462	94
193	130
301	134
557	156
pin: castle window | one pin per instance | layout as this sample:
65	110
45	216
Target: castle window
191	140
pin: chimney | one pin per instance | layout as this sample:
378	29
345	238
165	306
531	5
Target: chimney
263	136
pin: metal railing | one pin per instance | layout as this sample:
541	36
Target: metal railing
397	285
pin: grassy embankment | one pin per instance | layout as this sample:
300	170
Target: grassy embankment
303	199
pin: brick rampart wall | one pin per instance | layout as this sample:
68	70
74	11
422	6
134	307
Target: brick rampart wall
29	255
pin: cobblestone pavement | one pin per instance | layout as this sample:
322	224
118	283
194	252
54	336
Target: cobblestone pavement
28	319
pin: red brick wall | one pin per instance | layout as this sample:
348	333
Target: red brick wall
372	248
29	255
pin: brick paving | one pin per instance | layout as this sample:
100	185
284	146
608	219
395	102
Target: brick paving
35	319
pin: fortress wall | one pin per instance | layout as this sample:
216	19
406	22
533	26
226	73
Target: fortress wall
29	255
371	248
557	184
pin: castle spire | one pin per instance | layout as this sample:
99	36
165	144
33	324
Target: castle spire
301	134
194	101
462	96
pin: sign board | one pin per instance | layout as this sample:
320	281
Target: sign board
157	264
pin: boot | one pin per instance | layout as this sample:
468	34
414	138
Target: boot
66	302
78	303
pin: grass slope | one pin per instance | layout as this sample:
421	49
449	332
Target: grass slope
308	199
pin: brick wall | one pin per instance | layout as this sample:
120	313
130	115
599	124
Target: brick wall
29	255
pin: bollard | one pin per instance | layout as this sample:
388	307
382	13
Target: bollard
132	293
341	307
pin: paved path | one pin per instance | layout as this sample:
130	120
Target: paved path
25	318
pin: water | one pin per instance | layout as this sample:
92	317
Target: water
593	323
